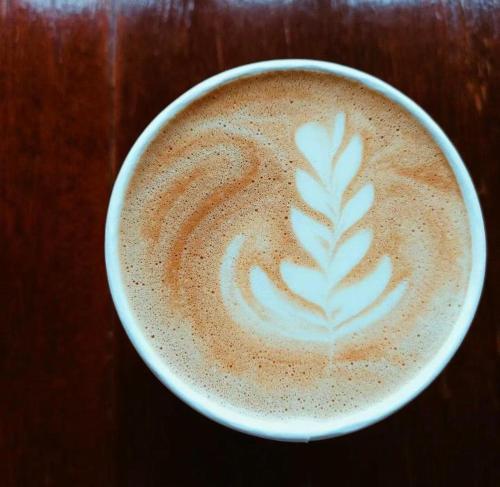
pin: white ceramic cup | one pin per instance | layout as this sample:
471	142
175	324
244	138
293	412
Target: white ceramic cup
295	429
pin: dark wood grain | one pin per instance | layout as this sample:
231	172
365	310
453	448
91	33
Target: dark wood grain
77	85
57	352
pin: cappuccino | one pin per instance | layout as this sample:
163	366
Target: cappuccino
295	245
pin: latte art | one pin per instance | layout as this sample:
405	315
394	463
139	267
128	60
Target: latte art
341	309
294	245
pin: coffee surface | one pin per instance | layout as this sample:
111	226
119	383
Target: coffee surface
295	245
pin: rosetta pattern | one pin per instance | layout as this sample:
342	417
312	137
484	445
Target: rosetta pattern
336	309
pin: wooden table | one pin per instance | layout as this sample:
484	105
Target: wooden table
78	82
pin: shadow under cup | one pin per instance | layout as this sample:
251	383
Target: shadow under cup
295	429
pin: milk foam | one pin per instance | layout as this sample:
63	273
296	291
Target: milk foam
341	310
295	245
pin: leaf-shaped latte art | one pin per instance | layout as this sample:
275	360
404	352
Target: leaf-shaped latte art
347	256
336	309
314	193
356	208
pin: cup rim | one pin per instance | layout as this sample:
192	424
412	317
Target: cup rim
296	429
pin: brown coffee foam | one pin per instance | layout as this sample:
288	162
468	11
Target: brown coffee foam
226	165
